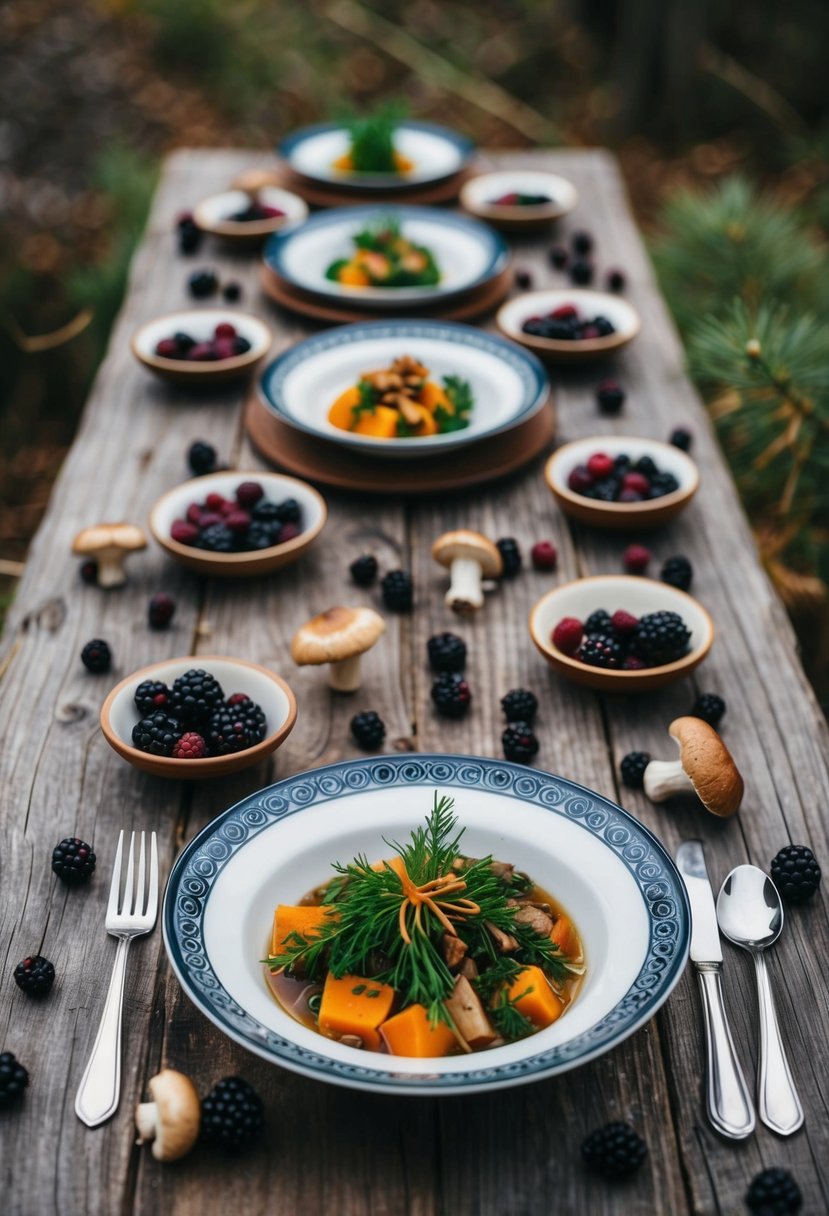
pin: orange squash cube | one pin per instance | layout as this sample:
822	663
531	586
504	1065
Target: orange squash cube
380	422
565	937
432	395
356	1005
535	998
290	918
352	276
341	413
395	863
410	1033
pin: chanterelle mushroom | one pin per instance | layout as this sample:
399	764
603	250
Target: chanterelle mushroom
338	637
108	545
470	557
705	767
171	1118
254	180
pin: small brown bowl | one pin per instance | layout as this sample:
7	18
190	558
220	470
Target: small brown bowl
200	323
624	317
119	715
611	592
618	516
213	214
478	193
250	562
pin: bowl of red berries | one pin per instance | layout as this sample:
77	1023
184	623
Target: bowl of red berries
621	633
570	324
618	482
198	716
235	525
201	346
248	216
517	199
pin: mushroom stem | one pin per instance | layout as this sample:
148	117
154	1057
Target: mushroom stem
146	1120
465	595
111	569
344	676
664	778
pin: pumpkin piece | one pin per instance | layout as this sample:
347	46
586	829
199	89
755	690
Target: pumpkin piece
344	163
381	422
353	276
432	395
355	1005
427	424
535	998
403	164
375	265
305	920
565	937
342	413
410	1033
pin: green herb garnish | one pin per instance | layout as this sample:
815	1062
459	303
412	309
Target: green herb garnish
459	393
372	141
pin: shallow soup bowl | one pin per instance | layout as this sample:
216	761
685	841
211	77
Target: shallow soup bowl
609	873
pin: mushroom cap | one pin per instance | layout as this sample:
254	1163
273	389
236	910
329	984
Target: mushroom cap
708	765
472	546
336	634
178	1114
100	537
253	180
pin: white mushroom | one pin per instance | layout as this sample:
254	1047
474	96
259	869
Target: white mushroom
470	557
338	637
109	545
171	1119
704	767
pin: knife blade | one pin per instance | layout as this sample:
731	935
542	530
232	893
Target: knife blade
727	1100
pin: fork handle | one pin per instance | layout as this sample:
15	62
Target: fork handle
100	1088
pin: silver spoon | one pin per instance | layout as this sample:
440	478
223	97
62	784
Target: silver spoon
750	914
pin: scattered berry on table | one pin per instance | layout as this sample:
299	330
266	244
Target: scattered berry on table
559	257
73	860
191	746
610	397
195	696
89	572
544	555
615	1151
677	571
202	283
616	280
232	1115
582	242
157	734
632	768
13	1079
523	279
519	742
35	975
232	293
96	656
710	707
773	1192
599	621
451	695
447	652
368	730
510	552
520	705
624	623
160	610
796	873
397	589
189	234
581	272
568	634
600	650
201	457
363	570
236	728
660	637
681	438
636	559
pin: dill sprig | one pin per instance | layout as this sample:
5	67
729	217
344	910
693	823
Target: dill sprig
372	141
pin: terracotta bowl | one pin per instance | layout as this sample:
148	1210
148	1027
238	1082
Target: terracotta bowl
119	715
621	515
200	324
477	194
613	591
512	315
212	214
173	505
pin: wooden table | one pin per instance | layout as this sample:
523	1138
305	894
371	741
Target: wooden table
327	1149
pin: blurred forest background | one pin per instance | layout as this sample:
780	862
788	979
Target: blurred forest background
719	114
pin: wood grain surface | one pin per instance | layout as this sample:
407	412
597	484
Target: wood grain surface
329	1150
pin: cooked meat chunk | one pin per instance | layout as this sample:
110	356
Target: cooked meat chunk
504	942
538	920
469	1015
453	950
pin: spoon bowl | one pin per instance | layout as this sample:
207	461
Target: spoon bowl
749	909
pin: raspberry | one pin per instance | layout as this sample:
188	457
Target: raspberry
623	622
567	635
184	532
544	555
190	746
637	482
636	559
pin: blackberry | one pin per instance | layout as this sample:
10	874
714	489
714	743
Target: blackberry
398	591
677	572
202	284
160	610
261	535
189	238
681	438
201	458
35	976
368	730
232	292
73	860
89	573
157	734
235	728
523	280
13	1079
559	257
363	570
289	511
151	695
507	546
610	397
232	1116
195	696
447	652
581	272
217	539
662	637
662	484
604	326
615	280
709	707
582	242
519	742
774	1192
451	695
241	346
614	1151
96	656
646	465
266	512
599	621
600	650
520	705
633	768
796	873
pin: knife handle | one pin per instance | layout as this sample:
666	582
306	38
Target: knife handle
727	1100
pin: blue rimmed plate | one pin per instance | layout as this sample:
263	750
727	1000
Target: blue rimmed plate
435	153
612	875
466	251
509	384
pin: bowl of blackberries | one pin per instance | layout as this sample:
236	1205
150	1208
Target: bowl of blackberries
518	199
619	482
236	524
621	633
198	716
249	215
569	324
200	346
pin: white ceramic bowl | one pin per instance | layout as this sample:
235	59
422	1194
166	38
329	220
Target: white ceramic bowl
623	316
213	214
477	197
200	324
435	152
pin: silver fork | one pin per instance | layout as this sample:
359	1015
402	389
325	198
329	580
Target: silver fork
100	1088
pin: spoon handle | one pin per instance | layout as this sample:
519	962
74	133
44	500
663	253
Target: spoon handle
727	1100
777	1098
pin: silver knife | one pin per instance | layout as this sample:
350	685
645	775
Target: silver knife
727	1099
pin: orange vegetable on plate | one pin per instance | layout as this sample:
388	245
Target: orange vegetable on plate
290	918
565	937
355	1005
531	994
410	1033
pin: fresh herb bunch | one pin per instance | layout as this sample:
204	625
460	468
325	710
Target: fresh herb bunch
372	141
460	394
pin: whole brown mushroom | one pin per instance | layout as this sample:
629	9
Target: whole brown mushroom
470	557
338	637
109	545
704	767
171	1119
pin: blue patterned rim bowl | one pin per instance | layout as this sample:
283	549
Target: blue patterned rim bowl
611	874
436	153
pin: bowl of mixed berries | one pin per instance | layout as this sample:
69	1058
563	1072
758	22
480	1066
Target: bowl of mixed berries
518	199
248	215
200	346
569	324
616	482
234	524
197	717
621	633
